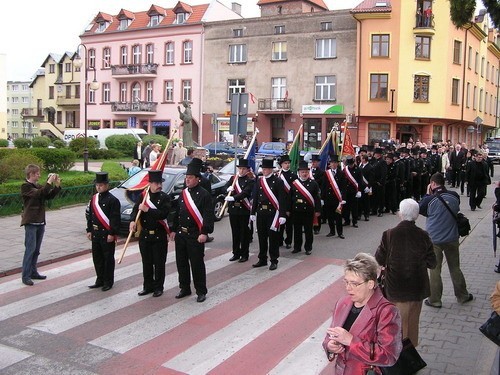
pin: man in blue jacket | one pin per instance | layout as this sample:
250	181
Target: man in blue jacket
443	230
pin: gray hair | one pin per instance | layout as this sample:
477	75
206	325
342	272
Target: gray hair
409	210
364	265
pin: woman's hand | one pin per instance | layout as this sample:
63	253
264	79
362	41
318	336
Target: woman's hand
340	335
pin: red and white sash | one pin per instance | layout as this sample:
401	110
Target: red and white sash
163	222
274	201
246	201
99	213
285	182
193	210
350	178
304	192
333	184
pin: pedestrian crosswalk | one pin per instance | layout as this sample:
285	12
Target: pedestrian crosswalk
253	321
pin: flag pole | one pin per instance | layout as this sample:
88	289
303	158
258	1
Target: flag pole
328	137
342	149
247	153
297	136
162	159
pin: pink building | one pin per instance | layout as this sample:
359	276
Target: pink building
147	63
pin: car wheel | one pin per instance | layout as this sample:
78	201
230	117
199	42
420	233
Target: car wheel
220	210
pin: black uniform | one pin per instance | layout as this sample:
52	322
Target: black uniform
318	174
350	208
188	251
391	194
331	208
103	252
366	192
399	164
288	227
303	214
153	240
425	175
239	216
379	177
269	239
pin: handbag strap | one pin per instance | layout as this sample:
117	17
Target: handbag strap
446	205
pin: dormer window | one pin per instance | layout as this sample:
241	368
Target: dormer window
124	23
181	18
155	20
102	26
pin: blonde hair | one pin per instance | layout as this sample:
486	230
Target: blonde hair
364	265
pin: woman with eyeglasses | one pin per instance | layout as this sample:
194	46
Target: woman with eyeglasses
366	328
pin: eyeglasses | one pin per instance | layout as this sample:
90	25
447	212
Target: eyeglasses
352	284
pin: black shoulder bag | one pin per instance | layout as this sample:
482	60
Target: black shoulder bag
462	222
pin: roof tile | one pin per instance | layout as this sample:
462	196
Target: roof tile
373	6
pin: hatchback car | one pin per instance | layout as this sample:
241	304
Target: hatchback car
215	148
272	149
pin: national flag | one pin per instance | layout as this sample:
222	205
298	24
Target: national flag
294	152
348	148
252	97
286	95
251	153
159	165
327	149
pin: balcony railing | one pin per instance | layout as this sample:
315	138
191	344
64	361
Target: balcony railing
64	100
143	107
134	70
275	104
31	113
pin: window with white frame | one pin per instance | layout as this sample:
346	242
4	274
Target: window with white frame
136	92
15	99
169	91
91	58
278	88
237	53
123	92
280	29
14	88
24	99
124	23
150	54
169	53
136	54
106	57
14	124
26	87
187	51
181	18
52	68
279	51
106	92
235	86
469	58
325	88
237	33
186	90
326	48
326	26
67	67
92	95
155	20
149	91
15	112
123	55
102	26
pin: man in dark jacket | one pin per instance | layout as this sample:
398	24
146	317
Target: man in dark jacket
478	179
457	158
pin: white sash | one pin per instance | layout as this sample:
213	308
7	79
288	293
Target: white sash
99	213
305	193
275	225
246	201
285	182
350	178
333	184
193	210
163	222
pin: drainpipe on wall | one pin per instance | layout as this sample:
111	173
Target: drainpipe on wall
359	78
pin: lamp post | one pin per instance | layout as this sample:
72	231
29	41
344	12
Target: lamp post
94	85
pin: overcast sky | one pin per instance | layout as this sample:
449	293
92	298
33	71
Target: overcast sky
31	29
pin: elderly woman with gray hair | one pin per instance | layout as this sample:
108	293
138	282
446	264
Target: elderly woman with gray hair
406	252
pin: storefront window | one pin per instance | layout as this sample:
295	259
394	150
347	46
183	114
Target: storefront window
437	133
378	132
312	134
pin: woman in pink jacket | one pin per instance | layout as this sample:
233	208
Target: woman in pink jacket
366	328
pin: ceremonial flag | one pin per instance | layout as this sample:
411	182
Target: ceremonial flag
294	153
252	97
158	165
348	148
250	154
330	147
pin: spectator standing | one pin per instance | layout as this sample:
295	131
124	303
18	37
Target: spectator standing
179	153
457	158
478	179
146	152
138	150
153	155
34	196
406	252
443	231
188	159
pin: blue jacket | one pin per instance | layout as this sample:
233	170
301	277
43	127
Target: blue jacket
440	224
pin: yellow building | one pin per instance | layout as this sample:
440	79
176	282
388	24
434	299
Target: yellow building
421	78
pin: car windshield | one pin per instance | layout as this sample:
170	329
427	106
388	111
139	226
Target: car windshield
493	146
136	178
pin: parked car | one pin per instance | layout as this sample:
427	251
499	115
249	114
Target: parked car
215	148
493	150
173	185
229	170
272	149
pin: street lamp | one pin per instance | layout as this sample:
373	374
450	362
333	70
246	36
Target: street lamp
94	85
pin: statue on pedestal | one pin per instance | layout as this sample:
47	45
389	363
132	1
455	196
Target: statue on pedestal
187	124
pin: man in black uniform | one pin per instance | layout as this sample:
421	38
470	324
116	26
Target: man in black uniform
153	240
287	176
103	225
379	178
269	208
367	178
353	180
317	175
426	171
416	173
239	210
331	192
305	205
391	194
193	221
435	160
400	178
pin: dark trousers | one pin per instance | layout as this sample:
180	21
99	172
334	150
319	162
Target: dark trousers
288	230
190	253
391	196
365	205
334	219
240	233
303	221
416	188
455	177
103	255
424	182
477	193
378	198
350	208
154	256
268	239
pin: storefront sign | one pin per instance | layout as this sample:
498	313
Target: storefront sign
323	109
120	124
223	124
160	123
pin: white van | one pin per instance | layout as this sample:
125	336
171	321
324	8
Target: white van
102	134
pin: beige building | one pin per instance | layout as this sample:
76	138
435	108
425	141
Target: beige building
19	97
296	62
421	78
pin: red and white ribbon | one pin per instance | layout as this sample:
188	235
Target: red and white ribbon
246	201
274	201
99	213
163	222
304	192
193	210
285	182
350	178
333	184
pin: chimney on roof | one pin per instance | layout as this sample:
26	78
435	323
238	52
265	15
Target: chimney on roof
236	8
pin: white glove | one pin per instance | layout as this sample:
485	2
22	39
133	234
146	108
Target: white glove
367	190
343	202
322	202
230	189
282	220
229	199
358	194
253	217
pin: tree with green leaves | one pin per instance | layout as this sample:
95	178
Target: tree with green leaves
462	11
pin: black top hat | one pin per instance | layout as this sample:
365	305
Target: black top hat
378	150
303	165
423	150
193	169
155	176
101	178
315	157
363	148
267	163
334	158
434	147
242	163
389	156
284	158
397	154
415	151
370	148
404	150
349	159
196	161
